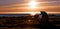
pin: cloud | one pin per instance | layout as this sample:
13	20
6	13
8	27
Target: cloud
49	0
3	2
52	8
15	6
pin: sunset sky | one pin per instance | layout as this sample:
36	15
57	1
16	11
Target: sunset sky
23	6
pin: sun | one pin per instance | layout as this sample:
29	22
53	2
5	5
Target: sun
32	4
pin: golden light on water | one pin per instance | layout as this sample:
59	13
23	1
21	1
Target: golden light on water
32	13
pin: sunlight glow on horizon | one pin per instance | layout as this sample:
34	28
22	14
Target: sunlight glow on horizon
33	13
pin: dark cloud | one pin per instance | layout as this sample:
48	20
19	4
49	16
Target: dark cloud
3	2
